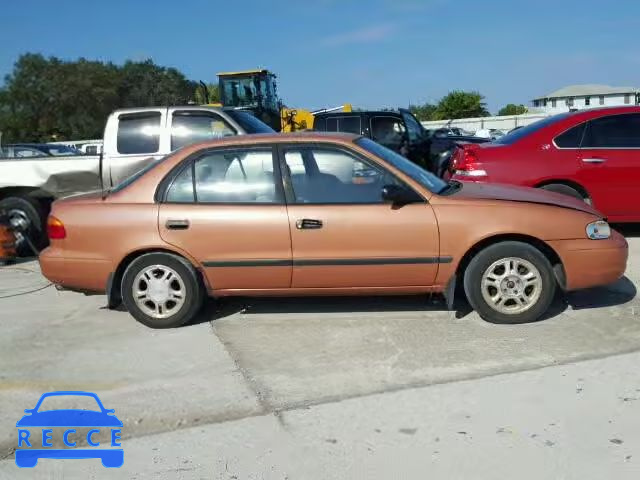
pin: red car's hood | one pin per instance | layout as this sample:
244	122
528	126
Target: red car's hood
494	191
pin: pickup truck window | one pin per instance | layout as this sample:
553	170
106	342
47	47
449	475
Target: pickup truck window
348	124
139	133
388	131
189	127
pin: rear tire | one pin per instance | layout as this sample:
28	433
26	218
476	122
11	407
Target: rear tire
162	290
565	190
510	283
28	212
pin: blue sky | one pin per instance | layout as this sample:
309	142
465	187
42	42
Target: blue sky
372	53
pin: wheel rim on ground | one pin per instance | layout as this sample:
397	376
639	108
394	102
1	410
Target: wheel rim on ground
20	220
511	285
159	291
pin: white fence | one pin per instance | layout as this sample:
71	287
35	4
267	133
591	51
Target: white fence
505	123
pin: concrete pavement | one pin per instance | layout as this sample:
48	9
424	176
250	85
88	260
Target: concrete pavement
334	388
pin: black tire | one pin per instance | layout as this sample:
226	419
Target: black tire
564	190
30	211
193	290
483	260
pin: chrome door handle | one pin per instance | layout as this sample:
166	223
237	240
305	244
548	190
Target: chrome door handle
173	224
594	160
308	224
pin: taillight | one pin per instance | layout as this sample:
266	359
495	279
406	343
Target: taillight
55	228
466	163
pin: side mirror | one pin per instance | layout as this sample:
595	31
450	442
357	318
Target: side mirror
398	195
28	410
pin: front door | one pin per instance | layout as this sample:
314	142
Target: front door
610	164
226	209
343	234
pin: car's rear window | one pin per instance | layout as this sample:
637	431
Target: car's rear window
516	135
129	180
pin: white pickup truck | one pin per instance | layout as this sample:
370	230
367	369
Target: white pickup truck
132	137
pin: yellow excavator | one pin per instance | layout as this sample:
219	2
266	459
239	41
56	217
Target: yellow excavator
256	91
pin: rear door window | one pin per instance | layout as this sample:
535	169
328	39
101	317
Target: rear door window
572	138
189	127
613	131
139	133
228	176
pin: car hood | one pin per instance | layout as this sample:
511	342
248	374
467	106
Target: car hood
488	191
69	418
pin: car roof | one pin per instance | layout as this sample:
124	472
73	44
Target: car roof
295	137
358	113
166	107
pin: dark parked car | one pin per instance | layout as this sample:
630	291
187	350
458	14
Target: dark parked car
21	150
593	155
399	131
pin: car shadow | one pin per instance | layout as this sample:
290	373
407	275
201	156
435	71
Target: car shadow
617	293
629	230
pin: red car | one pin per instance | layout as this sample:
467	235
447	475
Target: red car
590	154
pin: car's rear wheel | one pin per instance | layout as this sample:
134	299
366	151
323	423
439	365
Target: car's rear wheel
27	217
162	290
566	190
510	282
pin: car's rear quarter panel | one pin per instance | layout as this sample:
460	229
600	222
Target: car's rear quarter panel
98	237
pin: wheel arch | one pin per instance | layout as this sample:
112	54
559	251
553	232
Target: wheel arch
541	245
114	283
569	183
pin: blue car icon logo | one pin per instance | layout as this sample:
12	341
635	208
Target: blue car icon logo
28	453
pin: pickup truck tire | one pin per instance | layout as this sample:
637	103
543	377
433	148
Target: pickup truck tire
565	190
31	216
510	282
162	290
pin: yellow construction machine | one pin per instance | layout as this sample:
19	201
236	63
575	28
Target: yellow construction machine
256	91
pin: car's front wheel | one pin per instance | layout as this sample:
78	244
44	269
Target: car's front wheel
162	290
510	282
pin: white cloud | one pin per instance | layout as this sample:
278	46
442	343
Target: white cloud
372	34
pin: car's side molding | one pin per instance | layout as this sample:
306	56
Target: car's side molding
328	261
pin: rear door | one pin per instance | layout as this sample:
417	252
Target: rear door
343	234
226	209
609	160
133	139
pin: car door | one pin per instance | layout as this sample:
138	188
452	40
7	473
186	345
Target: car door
609	160
225	208
343	234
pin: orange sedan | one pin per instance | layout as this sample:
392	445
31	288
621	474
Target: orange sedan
315	214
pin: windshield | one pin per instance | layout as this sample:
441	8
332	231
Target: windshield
424	178
249	122
516	135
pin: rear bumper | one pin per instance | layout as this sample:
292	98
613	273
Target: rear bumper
592	263
80	274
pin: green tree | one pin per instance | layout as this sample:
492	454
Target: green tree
46	99
145	84
212	94
423	112
460	104
512	109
